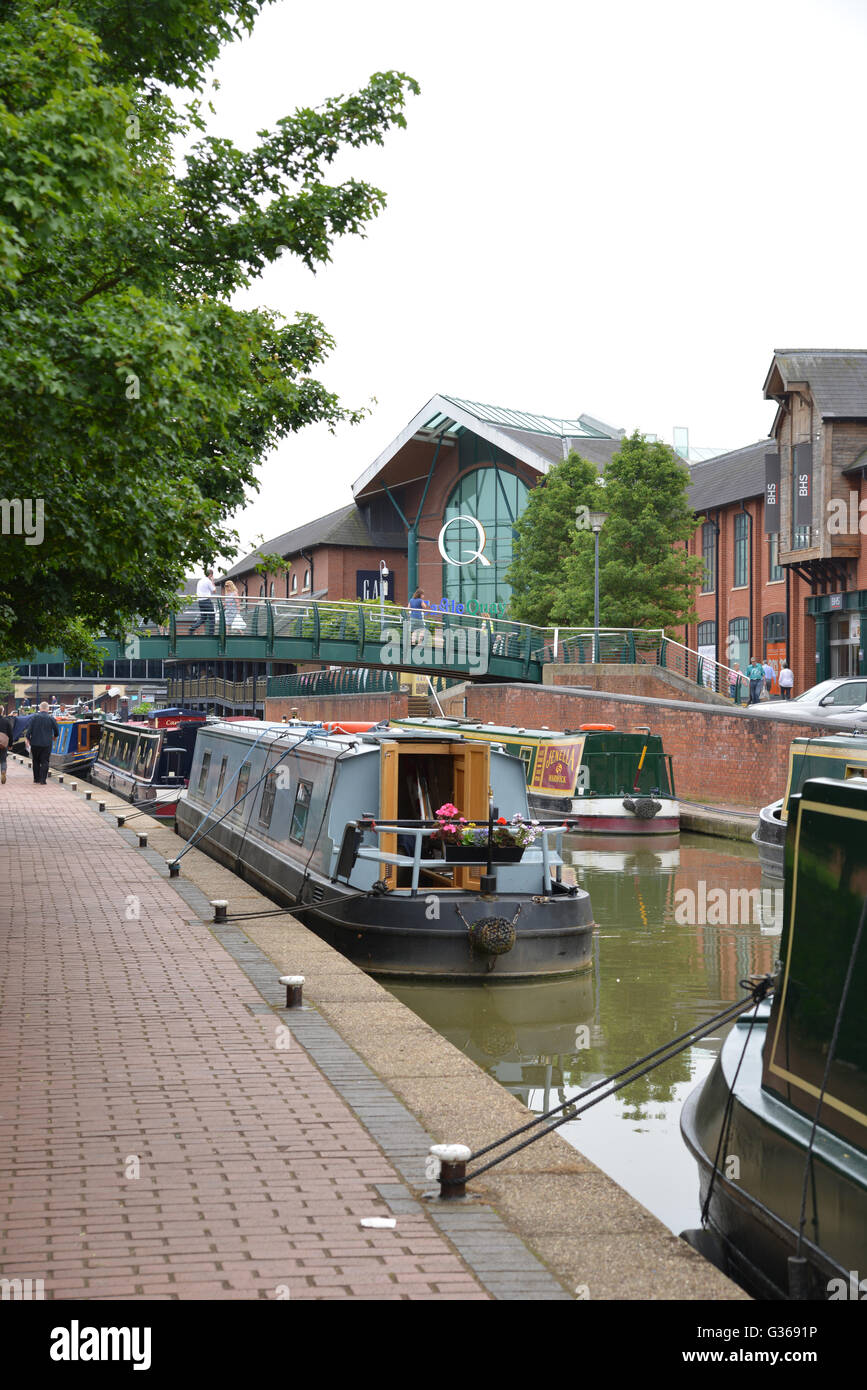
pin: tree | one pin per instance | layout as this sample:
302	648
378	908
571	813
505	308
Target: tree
646	576
546	536
135	401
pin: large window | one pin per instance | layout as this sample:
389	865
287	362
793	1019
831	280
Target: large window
775	569
708	550
495	498
707	635
774	627
738	646
742	550
801	538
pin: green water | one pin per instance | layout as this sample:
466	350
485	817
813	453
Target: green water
668	954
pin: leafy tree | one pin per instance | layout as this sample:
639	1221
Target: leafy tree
547	535
135	401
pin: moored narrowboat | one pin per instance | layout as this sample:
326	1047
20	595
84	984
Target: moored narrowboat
607	781
833	755
145	765
787	1096
76	745
345	826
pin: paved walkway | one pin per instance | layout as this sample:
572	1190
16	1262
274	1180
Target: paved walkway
161	1134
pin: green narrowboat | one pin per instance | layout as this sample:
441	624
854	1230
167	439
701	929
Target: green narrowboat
608	782
832	755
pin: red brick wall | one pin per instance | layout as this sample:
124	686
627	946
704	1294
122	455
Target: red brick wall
649	681
720	756
385	705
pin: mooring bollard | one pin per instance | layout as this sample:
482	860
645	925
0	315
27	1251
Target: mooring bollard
142	839
294	989
102	806
88	796
73	786
121	820
60	778
219	905
174	869
453	1160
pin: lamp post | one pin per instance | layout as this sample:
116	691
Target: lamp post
597	521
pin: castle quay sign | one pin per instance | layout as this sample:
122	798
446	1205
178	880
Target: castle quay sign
473	606
478	553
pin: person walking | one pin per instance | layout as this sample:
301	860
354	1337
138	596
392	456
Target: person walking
787	680
205	590
417	605
770	676
40	736
232	607
7	728
755	676
735	682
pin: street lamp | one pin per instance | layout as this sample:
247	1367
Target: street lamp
597	521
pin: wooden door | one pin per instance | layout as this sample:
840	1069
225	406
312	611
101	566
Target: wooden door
388	791
472	780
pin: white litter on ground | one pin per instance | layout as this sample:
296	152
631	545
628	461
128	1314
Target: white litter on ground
379	1222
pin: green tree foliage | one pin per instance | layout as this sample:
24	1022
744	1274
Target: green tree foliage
546	536
646	577
135	401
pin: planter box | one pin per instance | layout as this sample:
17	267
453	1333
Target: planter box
478	854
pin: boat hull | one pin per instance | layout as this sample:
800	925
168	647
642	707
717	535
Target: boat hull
158	801
769	837
421	937
607	815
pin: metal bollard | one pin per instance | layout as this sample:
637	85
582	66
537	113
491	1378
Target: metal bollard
453	1160
101	806
73	786
88	796
174	869
219	905
121	820
60	778
142	839
294	989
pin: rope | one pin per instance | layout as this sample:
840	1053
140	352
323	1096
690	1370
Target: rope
832	1048
300	907
726	1120
758	989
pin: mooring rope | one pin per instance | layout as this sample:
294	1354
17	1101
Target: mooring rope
758	987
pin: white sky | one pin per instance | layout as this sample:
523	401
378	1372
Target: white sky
616	208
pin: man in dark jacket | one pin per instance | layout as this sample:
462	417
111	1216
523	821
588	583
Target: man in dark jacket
41	734
6	727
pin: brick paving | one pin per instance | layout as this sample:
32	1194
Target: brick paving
159	1138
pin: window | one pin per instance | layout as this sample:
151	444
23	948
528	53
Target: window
708	551
801	537
241	790
269	791
706	635
299	812
738	645
222	777
775	569
306	579
742	550
271	590
294	583
206	766
774	628
495	498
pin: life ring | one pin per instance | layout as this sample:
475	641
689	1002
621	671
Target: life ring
596	728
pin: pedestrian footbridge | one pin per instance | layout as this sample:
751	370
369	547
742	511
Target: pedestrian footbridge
461	645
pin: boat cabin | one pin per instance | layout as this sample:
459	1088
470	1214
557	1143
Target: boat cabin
834	755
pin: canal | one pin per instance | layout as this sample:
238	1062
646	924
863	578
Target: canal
679	924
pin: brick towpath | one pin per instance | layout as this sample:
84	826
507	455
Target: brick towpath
156	1140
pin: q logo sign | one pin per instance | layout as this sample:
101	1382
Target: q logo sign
478	553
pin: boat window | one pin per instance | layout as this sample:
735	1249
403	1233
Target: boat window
269	791
526	756
300	810
148	757
222	778
240	789
206	767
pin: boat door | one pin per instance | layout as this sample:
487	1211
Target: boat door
417	778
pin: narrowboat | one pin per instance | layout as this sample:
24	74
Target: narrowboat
787	1096
344	825
146	765
606	781
76	745
833	755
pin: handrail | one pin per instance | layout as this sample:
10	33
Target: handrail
423	830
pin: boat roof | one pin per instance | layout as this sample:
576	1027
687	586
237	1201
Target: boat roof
842	740
259	728
512	731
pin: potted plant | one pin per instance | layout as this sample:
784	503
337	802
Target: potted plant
468	844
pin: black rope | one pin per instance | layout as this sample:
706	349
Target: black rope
832	1048
300	907
576	1107
726	1120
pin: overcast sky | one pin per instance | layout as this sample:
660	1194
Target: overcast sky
615	208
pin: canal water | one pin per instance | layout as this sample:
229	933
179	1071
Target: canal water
679	924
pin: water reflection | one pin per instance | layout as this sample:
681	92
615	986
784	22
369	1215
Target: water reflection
680	924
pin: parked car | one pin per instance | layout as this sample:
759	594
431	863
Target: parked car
841	696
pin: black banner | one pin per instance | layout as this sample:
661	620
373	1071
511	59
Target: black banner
803	485
772	493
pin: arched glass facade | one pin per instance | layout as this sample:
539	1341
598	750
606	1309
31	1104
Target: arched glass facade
496	499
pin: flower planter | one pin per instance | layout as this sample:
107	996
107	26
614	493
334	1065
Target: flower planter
478	854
